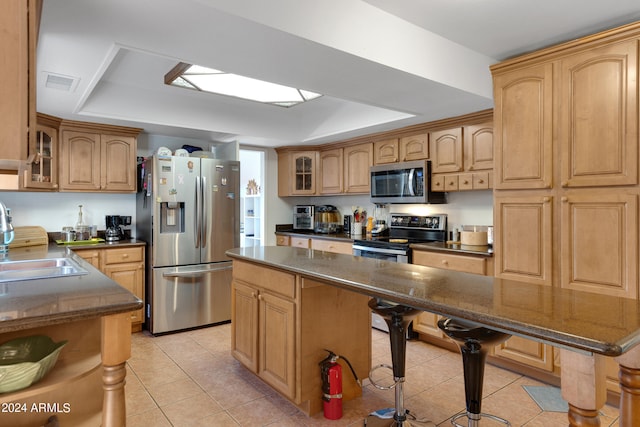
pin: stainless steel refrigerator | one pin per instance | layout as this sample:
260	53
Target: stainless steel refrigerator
188	212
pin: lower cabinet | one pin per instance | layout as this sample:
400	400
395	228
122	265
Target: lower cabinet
124	265
282	323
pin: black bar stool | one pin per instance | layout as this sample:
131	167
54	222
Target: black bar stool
470	337
398	317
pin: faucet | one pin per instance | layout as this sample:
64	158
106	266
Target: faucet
6	229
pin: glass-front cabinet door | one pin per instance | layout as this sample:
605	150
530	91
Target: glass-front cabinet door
304	168
42	162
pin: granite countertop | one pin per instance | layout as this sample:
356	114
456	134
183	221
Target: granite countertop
430	246
579	320
39	302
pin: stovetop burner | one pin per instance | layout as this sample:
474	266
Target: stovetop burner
406	229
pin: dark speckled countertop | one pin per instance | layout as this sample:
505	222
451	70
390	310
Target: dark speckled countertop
579	320
31	303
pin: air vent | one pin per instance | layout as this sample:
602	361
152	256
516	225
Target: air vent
61	82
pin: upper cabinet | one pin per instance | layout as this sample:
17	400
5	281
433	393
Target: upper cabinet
386	151
523	119
42	163
446	148
415	147
19	21
331	171
357	161
97	157
297	173
598	122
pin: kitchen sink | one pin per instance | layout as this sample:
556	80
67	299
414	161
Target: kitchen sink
45	268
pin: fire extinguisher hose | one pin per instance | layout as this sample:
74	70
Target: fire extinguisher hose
353	371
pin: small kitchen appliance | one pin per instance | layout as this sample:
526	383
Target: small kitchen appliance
328	219
408	182
303	217
114	224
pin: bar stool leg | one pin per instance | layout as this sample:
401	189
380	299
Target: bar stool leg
398	318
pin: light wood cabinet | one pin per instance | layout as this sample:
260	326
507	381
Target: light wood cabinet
597	105
566	171
124	265
97	158
331	171
42	163
357	161
332	246
446	150
283	240
386	151
19	21
523	120
523	236
300	242
469	150
281	324
415	147
297	173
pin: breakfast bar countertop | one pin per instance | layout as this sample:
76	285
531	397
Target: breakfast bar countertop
572	319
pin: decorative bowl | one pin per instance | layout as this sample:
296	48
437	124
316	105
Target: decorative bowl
25	361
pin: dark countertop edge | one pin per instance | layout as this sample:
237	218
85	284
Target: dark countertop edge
72	316
564	340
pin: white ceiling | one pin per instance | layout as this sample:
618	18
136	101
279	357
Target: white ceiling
381	64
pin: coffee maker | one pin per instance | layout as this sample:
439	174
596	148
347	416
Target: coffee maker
114	224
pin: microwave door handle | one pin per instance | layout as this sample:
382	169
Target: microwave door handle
412	173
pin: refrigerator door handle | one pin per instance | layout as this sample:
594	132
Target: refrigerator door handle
196	273
198	216
205	211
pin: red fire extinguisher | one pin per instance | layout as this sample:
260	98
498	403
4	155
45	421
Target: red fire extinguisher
331	372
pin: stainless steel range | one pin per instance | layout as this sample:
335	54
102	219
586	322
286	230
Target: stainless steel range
403	231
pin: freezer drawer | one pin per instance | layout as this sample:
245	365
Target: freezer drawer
188	297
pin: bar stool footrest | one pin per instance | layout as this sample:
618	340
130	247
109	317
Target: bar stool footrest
474	419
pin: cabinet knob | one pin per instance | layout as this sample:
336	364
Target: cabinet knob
546	199
259	297
470	168
481	181
564	184
445	262
125	255
565	199
253	294
465	182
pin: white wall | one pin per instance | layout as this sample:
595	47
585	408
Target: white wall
52	211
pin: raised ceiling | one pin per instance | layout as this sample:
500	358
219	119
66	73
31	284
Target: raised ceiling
381	64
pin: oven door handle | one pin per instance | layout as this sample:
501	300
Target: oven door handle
379	250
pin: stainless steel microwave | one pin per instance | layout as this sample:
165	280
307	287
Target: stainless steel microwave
408	182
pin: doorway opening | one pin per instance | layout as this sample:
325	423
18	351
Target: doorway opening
252	197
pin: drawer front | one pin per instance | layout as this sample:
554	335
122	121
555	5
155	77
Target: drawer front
120	255
265	278
300	242
465	264
332	246
451	183
282	240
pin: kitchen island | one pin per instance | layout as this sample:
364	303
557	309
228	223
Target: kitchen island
588	327
91	312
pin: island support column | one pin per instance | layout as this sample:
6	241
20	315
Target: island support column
583	384
116	349
629	387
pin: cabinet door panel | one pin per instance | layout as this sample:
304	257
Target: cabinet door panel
414	147
303	167
277	346
529	352
118	163
446	146
244	328
357	161
427	323
385	151
523	118
478	147
331	171
80	161
599	121
523	238
599	243
130	277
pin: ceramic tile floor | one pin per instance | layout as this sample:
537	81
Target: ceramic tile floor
190	379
